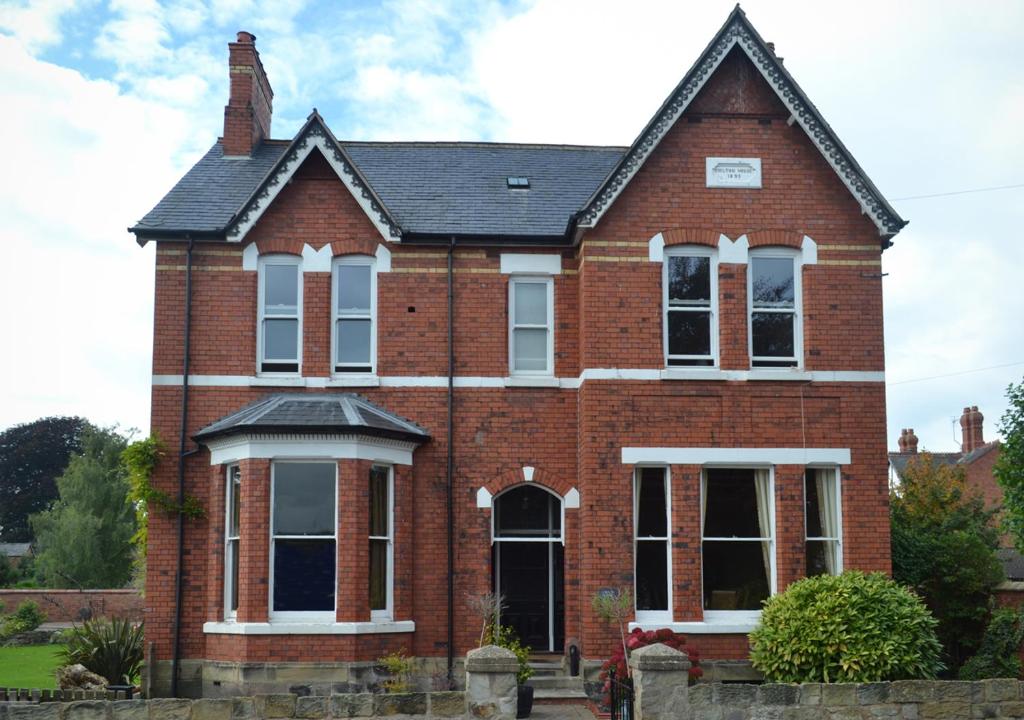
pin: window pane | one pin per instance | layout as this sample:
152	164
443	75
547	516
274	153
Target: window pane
813	509
281	289
531	349
235	501
354	341
531	303
379	501
354	288
689	280
651	517
652	575
735	577
731	506
304	575
772	281
280	339
304	498
233	565
527	512
817	562
378	574
689	333
772	334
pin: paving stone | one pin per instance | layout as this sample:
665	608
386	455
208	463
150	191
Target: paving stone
778	694
170	709
276	705
947	710
349	705
873	693
211	709
400	704
312	707
833	694
1000	689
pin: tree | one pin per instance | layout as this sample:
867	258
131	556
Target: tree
944	547
85	538
32	455
1009	468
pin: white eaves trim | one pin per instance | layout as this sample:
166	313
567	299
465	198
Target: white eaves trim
734	456
531	263
279	446
308	628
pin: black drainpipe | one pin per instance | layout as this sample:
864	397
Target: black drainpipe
182	454
451	462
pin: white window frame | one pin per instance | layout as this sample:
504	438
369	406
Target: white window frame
353	260
261	315
548	281
712	309
317	616
739	615
653	616
231	487
838	540
798	326
388	612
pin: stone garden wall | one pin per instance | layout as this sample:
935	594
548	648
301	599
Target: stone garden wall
76	605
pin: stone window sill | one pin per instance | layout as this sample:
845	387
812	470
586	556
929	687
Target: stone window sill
545	381
354	381
309	628
717	627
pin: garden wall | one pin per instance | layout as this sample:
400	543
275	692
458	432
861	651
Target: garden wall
71	605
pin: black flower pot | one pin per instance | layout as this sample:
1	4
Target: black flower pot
524	701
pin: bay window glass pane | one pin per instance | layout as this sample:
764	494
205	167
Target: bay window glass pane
304	575
531	303
280	289
531	349
280	339
304	498
235	506
730	509
379	502
772	282
652	575
378	574
689	333
354	341
233	565
735	575
772	334
354	288
689	280
651	519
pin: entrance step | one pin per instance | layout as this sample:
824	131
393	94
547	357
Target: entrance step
557	682
547	668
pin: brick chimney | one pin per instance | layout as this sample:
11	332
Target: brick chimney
971	427
250	105
908	441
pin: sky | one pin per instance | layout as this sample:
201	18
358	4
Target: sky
104	105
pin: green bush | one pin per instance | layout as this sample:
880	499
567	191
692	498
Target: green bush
997	655
27	617
111	648
504	636
847	628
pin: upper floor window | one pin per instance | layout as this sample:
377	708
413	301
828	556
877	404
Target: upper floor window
690	299
355	313
822	519
774	291
531	326
280	314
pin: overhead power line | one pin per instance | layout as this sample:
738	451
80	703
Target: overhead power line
959	192
954	374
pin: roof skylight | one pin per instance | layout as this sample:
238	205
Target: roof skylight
518	182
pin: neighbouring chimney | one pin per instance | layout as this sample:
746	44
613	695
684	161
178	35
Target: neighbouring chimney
908	441
971	426
250	104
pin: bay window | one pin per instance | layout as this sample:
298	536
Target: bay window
822	520
737	531
381	542
232	530
690	301
280	314
354	299
531	326
774	290
651	545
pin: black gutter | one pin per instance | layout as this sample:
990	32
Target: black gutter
477	239
451	463
182	454
144	235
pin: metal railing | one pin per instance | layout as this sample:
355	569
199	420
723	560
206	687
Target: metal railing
620	696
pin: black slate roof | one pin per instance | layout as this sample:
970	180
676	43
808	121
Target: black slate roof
429	188
1012	562
309	413
899	460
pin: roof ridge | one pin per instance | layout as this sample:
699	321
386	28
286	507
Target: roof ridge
480	144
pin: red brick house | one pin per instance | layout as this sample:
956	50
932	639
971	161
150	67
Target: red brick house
399	374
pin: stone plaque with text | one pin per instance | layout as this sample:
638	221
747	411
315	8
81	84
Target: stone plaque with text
733	172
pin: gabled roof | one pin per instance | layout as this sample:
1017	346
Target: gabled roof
738	32
900	460
15	550
342	413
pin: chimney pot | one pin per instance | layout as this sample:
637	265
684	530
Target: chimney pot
246	37
911	441
971	426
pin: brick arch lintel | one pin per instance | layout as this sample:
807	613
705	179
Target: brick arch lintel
732	251
316	259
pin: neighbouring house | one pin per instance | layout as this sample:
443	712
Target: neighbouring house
398	374
15	552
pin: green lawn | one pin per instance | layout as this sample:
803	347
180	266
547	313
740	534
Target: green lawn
31	666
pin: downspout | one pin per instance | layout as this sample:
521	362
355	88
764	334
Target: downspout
182	454
451	462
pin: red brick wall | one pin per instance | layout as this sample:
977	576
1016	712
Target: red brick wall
608	315
66	605
981	479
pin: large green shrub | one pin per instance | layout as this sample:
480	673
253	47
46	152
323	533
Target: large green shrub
111	648
997	656
27	617
847	628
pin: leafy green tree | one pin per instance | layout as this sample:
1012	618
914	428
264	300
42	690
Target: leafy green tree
85	538
1009	468
32	456
944	547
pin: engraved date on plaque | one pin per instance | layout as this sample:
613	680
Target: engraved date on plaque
733	172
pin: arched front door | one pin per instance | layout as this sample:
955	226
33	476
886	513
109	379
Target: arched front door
528	552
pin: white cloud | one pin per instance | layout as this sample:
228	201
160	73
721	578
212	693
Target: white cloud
36	25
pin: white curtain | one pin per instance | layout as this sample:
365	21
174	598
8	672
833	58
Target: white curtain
763	488
703	503
824	480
